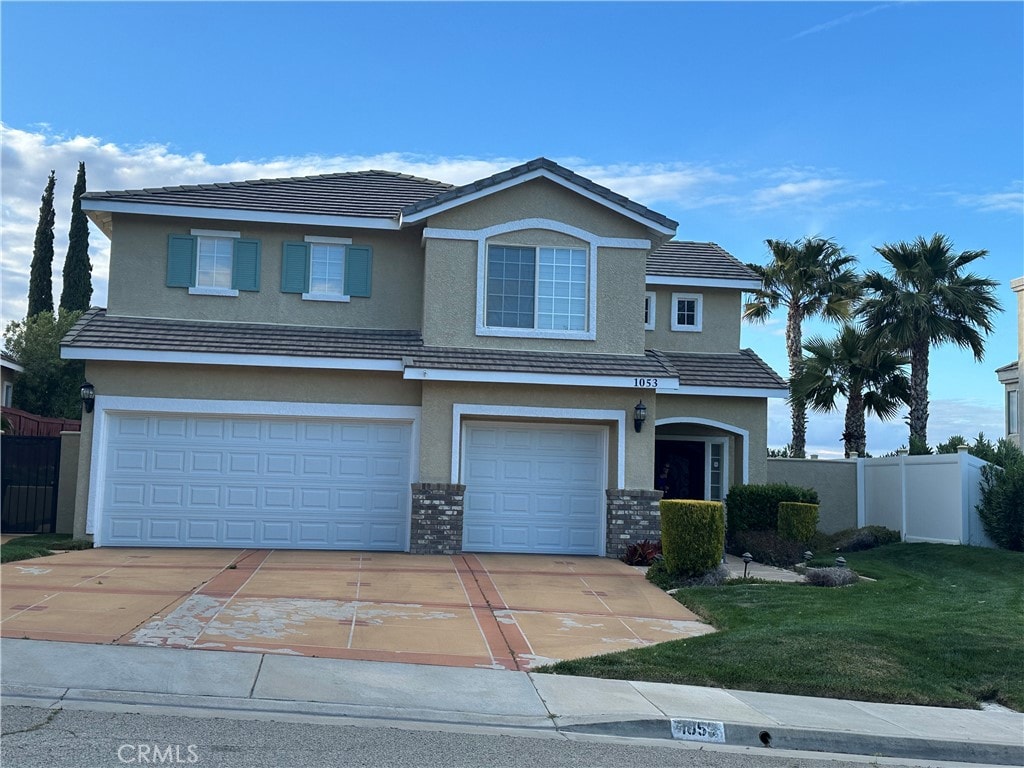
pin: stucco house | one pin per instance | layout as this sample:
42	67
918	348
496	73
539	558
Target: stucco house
9	370
1009	374
371	360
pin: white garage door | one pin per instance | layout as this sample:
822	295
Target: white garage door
534	488
178	480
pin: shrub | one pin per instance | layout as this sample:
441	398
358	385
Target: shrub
658	575
692	535
858	539
797	521
768	548
1002	498
831	577
756	507
641	553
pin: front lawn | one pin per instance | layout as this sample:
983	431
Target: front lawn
38	545
942	625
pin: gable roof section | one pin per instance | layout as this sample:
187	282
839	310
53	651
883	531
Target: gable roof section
683	262
361	195
541	167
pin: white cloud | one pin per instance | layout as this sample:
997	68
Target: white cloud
839	21
1011	201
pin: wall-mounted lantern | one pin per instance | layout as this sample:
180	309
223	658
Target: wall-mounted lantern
639	416
88	396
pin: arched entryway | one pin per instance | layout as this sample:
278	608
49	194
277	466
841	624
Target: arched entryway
697	458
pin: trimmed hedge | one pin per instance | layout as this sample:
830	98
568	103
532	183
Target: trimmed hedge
692	536
756	507
798	521
768	548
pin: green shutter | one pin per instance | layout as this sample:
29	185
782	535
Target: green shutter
181	261
245	268
295	268
358	266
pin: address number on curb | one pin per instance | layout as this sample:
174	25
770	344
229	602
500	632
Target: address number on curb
698	730
645	383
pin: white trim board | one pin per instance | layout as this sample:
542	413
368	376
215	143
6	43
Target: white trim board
705	282
744	433
512	377
536	223
725	391
220	358
527	412
540	173
238	214
106	405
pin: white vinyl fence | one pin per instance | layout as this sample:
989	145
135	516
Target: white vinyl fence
927	498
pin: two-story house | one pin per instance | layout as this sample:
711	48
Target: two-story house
376	361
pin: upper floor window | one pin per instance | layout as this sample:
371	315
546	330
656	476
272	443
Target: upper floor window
326	268
213	262
650	302
537	288
687	311
1011	411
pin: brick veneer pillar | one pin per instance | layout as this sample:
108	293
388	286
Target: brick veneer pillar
436	518
633	515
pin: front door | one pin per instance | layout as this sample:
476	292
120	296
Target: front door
679	468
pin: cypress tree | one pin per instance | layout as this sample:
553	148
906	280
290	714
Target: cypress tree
40	284
77	290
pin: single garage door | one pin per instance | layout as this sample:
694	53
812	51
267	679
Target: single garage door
534	488
179	480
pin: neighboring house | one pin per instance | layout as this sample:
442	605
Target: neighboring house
9	371
1009	375
377	361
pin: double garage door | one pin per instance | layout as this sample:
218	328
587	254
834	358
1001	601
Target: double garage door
183	480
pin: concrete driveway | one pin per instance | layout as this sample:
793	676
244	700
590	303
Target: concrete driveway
498	611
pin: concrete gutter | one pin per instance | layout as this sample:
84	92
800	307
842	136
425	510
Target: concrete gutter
266	686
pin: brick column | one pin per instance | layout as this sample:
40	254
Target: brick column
633	515
436	518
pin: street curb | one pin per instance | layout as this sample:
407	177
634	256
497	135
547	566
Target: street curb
810	740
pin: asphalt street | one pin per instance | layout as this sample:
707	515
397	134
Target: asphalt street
40	738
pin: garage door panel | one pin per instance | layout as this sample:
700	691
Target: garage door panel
256	481
534	488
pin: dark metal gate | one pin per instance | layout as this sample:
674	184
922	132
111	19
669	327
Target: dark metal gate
29	468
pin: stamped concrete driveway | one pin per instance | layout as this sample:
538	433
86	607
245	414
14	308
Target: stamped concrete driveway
498	611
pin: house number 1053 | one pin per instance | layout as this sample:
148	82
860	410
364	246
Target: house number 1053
646	383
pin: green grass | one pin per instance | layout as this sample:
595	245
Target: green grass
942	625
38	545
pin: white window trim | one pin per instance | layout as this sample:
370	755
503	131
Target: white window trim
698	325
742	433
1012	425
205	290
8	394
483	235
107	405
651	299
198	290
324	240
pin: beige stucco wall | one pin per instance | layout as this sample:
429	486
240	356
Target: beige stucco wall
82	480
835	482
720	327
67	481
451	274
436	427
748	413
138	268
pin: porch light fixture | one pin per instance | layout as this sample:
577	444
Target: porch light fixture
88	396
639	416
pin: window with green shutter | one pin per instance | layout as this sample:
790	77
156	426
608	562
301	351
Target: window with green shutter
213	263
326	269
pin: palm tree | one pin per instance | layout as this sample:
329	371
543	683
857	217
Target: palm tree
811	278
926	299
871	377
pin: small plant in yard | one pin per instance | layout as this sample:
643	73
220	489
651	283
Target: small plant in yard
641	552
831	577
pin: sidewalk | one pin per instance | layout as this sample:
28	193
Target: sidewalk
257	685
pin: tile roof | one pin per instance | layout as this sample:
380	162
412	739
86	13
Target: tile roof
1008	367
681	258
541	163
725	369
97	330
376	194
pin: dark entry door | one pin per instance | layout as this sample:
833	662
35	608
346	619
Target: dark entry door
679	468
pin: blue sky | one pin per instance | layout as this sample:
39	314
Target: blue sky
865	122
